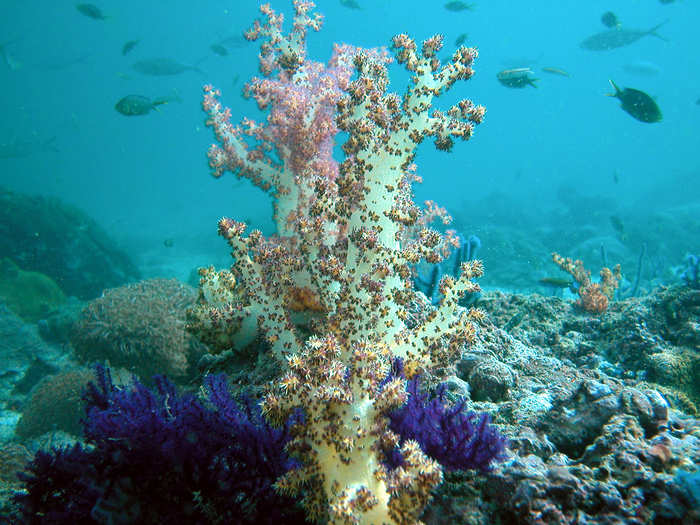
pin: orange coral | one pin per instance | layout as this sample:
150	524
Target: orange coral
593	297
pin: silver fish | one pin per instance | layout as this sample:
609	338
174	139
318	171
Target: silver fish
518	77
160	67
614	38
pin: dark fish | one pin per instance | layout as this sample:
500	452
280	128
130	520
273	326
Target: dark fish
609	19
637	103
135	105
666	1
131	44
350	4
461	39
618	226
169	243
91	11
517	78
698	102
556	71
616	177
456	5
614	38
219	49
162	67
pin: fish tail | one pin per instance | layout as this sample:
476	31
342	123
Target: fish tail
175	97
617	90
653	32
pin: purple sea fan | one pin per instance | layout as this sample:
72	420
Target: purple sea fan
160	456
456	438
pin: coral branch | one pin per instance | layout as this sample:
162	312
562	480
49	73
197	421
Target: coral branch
340	264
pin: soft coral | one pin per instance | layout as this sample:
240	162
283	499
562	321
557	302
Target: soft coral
158	456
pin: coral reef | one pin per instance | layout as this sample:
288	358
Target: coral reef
31	295
45	235
140	327
586	443
55	404
347	236
456	438
593	297
159	455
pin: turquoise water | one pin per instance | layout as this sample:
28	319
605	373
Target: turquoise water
105	192
145	178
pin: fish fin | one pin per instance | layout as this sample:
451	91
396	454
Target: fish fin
175	97
617	90
653	32
531	81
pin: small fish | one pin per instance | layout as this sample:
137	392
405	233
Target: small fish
136	105
461	39
556	282
456	5
350	4
169	243
235	80
91	11
637	103
128	46
159	67
697	102
219	49
609	19
519	77
556	71
614	38
616	177
619	227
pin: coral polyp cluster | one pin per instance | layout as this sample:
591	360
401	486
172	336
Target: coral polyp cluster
348	235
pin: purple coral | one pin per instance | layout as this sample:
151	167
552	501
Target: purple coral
161	456
158	455
456	438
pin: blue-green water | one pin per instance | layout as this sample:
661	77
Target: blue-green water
145	178
98	190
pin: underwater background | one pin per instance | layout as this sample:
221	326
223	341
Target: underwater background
101	209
